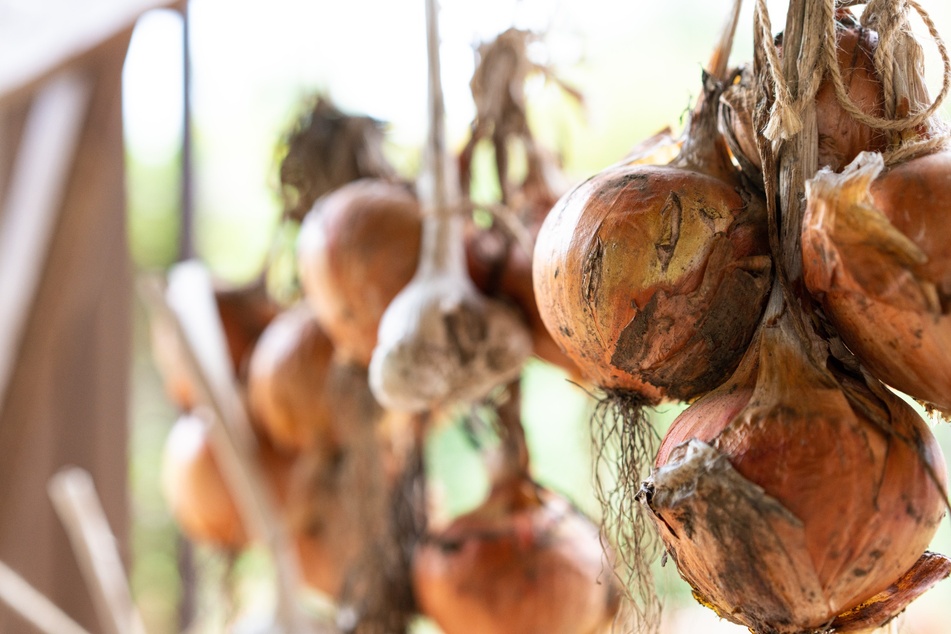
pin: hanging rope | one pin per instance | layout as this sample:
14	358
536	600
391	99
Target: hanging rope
784	121
893	25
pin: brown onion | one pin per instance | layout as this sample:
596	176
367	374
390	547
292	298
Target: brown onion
287	374
195	489
652	278
244	312
357	248
876	256
820	493
841	137
524	562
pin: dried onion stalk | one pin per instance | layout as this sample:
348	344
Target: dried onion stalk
441	341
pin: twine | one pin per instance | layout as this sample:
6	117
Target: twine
891	23
894	14
784	120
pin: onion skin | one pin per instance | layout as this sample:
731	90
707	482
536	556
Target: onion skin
358	247
876	257
286	383
829	507
524	562
652	278
195	489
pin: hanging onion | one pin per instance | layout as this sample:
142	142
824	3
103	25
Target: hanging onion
876	257
196	492
524	562
245	311
820	493
357	248
287	376
652	278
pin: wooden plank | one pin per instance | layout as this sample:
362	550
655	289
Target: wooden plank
33	606
37	185
38	39
67	401
75	499
12	122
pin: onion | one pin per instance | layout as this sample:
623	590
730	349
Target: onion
524	562
327	545
244	311
652	278
841	138
440	341
735	122
876	257
287	374
820	493
357	248
196	492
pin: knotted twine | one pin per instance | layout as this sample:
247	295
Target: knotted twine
898	61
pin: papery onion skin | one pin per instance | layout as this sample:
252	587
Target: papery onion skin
829	508
875	255
652	278
358	247
286	383
517	567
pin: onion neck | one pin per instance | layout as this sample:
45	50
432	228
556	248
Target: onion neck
443	246
704	149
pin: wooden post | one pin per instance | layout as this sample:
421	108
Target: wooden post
64	397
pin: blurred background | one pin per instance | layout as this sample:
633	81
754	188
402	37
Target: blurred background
254	65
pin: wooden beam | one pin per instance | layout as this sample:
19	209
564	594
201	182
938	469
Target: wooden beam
68	394
39	39
35	194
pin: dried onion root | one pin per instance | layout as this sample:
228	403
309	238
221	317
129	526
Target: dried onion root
876	256
821	492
